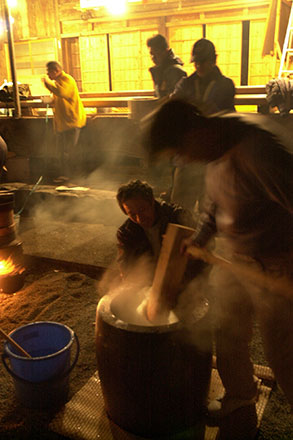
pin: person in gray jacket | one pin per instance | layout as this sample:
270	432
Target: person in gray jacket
206	87
249	208
211	92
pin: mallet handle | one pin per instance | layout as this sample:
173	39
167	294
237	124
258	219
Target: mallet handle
8	338
282	285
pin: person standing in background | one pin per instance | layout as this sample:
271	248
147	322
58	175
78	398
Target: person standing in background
206	88
69	116
167	70
211	92
166	73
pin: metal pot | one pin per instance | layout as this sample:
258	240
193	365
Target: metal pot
7	225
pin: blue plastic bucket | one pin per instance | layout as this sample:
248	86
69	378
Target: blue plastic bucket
42	380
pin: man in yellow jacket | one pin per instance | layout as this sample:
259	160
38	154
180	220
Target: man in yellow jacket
69	115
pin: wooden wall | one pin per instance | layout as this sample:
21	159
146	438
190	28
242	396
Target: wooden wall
35	32
109	53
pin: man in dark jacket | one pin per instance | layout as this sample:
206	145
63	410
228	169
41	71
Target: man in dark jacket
249	206
167	70
140	237
207	87
211	92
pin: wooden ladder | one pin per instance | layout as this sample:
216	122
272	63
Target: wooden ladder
287	53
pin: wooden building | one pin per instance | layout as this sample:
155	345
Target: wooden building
108	53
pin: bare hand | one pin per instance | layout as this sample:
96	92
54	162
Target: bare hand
47	99
186	242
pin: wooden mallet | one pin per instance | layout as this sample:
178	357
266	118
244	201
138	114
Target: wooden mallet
171	267
168	275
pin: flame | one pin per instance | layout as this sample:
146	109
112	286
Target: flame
7	266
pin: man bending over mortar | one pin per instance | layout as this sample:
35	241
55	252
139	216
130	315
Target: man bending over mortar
140	236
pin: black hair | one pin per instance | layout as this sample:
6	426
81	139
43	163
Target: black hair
203	50
133	190
158	42
167	127
53	65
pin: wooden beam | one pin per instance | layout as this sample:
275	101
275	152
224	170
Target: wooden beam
212	20
171	8
245	95
240	90
250	99
120	102
111	30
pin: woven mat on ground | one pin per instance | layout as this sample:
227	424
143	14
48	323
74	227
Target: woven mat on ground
84	417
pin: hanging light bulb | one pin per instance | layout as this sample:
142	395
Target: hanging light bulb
84	4
116	7
12	3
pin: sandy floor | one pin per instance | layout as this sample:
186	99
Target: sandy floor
68	298
52	294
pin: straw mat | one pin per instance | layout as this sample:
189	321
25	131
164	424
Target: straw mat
84	417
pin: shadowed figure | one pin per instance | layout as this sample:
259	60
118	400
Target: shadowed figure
248	207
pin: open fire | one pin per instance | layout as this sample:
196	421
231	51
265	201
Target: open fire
7	267
11	276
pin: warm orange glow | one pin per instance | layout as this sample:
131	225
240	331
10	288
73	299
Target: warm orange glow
6	266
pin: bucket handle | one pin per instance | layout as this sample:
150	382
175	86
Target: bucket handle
64	374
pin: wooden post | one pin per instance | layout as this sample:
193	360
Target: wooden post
168	275
17	107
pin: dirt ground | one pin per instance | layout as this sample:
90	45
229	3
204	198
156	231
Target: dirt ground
53	294
69	293
49	294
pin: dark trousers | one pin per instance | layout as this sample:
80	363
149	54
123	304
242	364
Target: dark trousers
236	301
188	185
69	151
